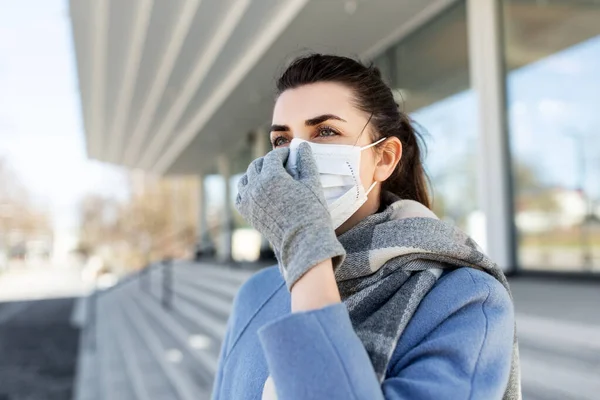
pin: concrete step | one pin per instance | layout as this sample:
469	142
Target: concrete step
165	351
209	280
143	361
127	346
559	359
144	351
86	380
565	334
225	289
214	326
558	377
114	380
218	273
198	307
192	293
207	361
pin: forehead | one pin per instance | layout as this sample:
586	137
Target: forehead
309	101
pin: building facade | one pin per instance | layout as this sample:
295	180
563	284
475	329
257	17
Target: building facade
506	94
547	55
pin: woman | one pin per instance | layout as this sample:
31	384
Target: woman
373	297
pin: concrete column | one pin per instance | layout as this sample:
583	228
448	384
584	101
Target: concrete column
224	250
488	82
203	239
175	223
175	189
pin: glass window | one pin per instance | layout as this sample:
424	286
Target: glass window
429	70
552	57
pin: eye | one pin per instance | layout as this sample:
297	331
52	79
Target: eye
325	131
279	141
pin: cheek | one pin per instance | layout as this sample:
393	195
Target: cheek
367	168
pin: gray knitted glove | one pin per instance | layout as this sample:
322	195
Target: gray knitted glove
290	212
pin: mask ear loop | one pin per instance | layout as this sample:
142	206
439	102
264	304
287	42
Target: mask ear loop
374	143
371	188
368	146
361	132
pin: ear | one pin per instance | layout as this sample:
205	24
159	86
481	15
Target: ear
390	153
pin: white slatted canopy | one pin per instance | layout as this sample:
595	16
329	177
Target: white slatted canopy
168	85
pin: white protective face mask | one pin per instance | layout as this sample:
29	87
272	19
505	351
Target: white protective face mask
339	173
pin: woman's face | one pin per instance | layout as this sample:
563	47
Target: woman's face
324	113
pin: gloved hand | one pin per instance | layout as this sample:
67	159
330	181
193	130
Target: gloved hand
290	211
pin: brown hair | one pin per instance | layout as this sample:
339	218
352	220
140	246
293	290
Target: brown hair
372	95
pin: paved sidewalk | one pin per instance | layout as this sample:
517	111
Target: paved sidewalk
568	300
38	348
558	323
40	282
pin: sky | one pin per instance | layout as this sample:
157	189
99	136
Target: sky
41	131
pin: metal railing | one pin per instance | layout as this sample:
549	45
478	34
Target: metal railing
144	280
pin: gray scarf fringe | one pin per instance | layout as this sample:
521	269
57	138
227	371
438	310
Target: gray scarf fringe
393	259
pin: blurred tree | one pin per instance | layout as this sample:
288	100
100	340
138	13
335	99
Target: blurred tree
19	217
158	220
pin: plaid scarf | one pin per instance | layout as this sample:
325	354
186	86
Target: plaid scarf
393	259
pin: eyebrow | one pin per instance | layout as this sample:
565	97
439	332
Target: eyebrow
309	122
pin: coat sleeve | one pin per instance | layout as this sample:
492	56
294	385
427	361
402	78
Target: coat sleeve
462	352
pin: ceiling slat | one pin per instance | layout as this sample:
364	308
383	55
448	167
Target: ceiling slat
246	61
180	31
136	47
205	62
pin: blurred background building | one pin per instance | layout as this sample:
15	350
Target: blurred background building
506	93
